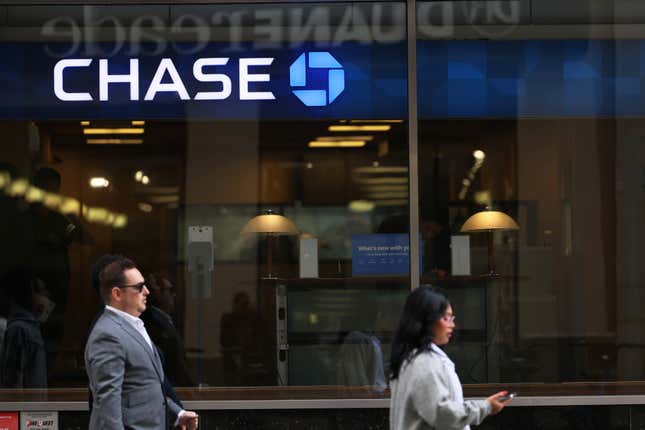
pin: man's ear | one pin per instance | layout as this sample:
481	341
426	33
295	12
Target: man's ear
116	293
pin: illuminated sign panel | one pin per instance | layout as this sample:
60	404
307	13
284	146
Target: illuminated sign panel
347	81
456	79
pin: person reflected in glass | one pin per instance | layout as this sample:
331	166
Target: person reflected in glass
436	248
51	234
244	345
23	360
14	230
158	319
425	389
360	357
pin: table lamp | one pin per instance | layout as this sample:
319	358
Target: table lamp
271	225
489	221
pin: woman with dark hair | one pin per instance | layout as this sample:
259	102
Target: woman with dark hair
425	390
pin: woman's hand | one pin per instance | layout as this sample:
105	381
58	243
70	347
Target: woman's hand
495	404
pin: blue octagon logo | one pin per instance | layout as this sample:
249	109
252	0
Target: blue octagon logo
317	60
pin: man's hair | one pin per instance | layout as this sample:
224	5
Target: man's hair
98	267
113	275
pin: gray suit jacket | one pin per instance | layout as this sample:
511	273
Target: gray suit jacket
125	379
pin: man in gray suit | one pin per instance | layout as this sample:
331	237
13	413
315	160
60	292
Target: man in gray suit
123	366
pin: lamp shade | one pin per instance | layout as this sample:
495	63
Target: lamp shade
270	224
489	220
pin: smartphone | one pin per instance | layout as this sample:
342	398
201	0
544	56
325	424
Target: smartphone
509	396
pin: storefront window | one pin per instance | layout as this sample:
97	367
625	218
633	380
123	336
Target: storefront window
545	131
160	133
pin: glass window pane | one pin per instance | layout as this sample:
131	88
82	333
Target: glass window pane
169	134
538	128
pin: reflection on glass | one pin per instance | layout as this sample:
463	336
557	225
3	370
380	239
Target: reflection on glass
233	127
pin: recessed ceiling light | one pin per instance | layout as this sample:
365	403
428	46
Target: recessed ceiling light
114	141
359	127
337	138
145	207
391	121
124	130
361	206
479	154
337	144
99	182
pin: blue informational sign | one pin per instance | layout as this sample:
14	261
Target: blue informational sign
345	81
380	254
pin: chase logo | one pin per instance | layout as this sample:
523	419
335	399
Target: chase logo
316	62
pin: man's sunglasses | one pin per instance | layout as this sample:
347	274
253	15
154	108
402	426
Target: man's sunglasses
138	287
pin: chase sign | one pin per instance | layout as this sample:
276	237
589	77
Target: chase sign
332	81
167	79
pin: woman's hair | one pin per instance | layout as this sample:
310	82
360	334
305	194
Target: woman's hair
423	307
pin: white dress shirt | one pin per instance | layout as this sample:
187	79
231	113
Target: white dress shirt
136	322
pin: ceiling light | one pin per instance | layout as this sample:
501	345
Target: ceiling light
138	122
164	199
70	206
387	195
85	123
337	144
34	194
479	154
145	207
387	188
382	180
52	200
124	130
114	141
95	214
381	169
359	127
138	175
120	221
99	182
145	180
18	188
361	206
337	138
391	121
